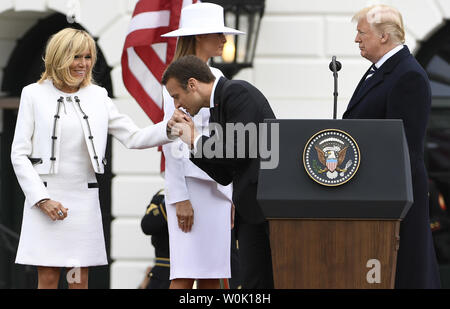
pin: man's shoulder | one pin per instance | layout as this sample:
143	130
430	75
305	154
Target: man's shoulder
236	85
409	66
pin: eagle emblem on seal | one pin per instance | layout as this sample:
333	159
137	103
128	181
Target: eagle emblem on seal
331	157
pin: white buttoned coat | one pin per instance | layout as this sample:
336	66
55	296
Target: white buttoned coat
38	127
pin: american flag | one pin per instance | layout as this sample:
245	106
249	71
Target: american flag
146	54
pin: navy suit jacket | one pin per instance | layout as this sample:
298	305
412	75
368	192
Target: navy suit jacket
400	89
236	101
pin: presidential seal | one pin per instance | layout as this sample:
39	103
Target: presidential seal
331	157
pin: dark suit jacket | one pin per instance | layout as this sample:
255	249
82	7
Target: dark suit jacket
235	102
400	89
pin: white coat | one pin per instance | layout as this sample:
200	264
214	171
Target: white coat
37	131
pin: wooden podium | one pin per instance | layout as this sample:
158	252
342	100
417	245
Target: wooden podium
342	237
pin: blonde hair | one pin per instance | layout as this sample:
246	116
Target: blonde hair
60	52
384	19
185	46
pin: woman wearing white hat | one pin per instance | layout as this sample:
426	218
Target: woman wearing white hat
198	208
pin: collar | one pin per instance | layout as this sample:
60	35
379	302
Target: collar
388	55
211	98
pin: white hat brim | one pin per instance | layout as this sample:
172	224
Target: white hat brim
197	31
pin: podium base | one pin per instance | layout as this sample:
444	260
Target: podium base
334	253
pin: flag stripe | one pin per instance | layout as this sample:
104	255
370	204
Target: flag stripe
149	20
141	95
149	57
145	77
146	54
149	6
145	37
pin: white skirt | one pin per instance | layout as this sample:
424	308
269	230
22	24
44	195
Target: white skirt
76	241
204	252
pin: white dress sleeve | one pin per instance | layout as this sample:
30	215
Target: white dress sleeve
22	147
123	128
175	184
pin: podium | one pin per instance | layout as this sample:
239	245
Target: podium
336	236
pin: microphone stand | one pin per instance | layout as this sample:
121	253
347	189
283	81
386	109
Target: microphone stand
335	66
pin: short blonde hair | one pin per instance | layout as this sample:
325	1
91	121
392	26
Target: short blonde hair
384	19
61	50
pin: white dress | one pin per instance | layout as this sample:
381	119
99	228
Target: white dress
78	240
204	252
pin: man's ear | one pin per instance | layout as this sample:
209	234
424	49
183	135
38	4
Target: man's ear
192	84
384	38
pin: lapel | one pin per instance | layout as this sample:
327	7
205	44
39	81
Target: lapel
365	86
218	106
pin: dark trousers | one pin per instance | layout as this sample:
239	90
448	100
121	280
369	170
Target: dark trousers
254	255
159	278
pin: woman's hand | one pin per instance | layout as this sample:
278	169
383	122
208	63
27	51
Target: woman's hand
55	210
185	215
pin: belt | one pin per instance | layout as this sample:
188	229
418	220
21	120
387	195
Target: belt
90	185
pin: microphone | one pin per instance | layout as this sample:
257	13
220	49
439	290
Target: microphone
335	66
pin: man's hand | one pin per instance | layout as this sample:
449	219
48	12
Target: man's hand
182	125
185	215
177	116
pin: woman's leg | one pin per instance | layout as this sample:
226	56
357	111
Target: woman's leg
48	277
181	283
78	277
208	284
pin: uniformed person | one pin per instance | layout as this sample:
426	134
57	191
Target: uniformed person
154	223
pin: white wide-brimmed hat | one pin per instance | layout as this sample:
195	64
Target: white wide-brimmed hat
202	18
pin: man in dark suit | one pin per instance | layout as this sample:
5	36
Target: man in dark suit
233	104
397	87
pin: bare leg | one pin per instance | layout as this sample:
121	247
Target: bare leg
209	284
181	283
78	278
48	277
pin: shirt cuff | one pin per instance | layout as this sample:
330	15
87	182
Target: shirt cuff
194	149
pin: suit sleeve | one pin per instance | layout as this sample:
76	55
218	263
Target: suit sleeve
240	111
175	184
123	128
410	100
21	148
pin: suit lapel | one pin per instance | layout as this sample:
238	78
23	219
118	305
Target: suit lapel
216	111
365	86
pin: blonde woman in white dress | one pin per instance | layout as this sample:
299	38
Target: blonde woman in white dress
199	211
59	145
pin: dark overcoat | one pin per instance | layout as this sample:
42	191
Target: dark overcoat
400	89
